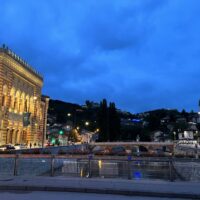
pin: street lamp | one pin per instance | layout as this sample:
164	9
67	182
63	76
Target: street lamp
174	135
174	143
97	130
196	135
88	137
87	123
72	118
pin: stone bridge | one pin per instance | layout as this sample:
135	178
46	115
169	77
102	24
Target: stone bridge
126	145
130	145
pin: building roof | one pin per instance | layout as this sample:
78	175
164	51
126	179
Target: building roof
10	53
45	96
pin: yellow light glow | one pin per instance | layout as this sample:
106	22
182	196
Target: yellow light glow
81	173
87	123
100	164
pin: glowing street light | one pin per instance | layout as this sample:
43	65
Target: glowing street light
174	135
87	123
69	114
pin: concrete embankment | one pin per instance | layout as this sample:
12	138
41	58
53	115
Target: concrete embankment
188	171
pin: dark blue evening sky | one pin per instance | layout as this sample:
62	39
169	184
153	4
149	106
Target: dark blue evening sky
141	54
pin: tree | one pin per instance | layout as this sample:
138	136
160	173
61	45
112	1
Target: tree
114	123
145	135
185	114
129	133
88	103
103	121
109	122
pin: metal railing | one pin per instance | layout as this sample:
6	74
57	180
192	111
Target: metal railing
167	169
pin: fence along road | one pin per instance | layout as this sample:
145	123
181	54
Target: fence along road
123	167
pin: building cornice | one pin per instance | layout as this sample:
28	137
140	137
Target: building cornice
15	62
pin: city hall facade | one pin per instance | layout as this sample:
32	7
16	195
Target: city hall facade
23	111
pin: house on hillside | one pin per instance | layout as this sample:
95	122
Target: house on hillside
186	135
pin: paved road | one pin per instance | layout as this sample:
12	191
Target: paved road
101	186
65	195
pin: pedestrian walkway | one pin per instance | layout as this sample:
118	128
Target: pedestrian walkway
149	188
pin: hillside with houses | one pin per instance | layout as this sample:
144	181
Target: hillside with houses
68	122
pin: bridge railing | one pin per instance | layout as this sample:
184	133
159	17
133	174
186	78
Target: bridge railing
168	169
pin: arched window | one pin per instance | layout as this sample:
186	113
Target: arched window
4	96
31	105
12	98
3	100
22	102
17	101
26	104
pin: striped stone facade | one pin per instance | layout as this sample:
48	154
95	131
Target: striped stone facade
20	93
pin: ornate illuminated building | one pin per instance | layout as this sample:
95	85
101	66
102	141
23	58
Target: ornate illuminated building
23	109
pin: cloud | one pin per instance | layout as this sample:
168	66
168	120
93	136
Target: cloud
142	54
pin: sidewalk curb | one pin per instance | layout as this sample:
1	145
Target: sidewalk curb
98	191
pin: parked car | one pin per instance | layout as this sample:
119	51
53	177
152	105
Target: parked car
10	147
7	147
99	150
20	146
3	147
118	150
161	152
49	145
143	150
